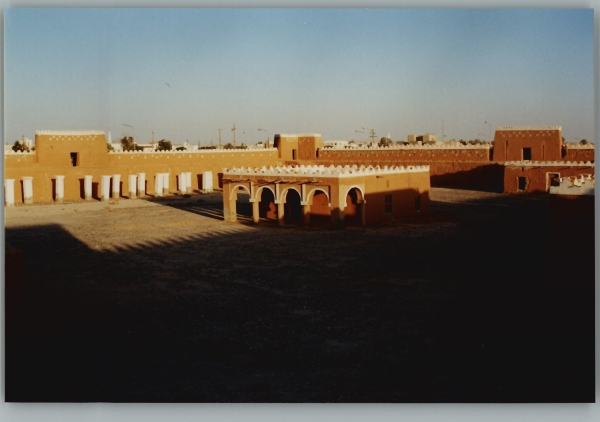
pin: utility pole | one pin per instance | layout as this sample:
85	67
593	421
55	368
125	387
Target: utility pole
152	143
233	129
219	138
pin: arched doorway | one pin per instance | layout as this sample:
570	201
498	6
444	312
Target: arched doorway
266	207
243	205
292	207
353	210
320	213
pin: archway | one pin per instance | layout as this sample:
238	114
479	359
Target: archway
353	210
266	207
292	207
243	205
320	212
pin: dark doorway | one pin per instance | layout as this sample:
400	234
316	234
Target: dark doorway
352	210
522	184
292	207
266	207
526	154
320	213
74	159
293	154
552	180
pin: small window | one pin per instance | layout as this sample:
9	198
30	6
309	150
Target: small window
293	154
74	159
526	154
388	204
522	184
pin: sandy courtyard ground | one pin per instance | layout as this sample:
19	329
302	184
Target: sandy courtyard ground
160	300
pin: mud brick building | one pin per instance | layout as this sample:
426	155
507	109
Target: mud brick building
344	195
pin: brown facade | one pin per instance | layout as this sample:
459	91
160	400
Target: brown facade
341	195
298	147
53	158
77	154
537	178
528	144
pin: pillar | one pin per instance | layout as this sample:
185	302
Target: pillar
255	212
363	214
27	189
105	187
229	205
60	188
116	186
87	187
165	184
337	218
182	179
188	181
133	186
207	181
141	191
280	213
9	192
306	215
158	184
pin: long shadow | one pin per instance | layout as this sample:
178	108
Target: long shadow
469	310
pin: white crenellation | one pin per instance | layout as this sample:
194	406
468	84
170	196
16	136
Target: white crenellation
203	151
323	171
528	127
549	163
444	146
11	152
69	132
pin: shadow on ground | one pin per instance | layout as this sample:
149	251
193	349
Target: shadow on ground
464	310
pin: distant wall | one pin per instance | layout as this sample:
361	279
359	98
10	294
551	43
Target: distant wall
420	155
571	153
126	163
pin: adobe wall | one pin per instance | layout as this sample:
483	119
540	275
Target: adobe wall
407	191
126	163
545	143
465	168
298	146
54	148
571	153
538	176
395	155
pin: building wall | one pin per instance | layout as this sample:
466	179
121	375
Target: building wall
54	148
126	163
537	177
545	144
298	147
578	154
424	155
406	189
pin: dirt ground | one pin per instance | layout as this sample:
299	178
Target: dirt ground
161	300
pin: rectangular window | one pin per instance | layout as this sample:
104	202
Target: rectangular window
293	154
526	154
388	204
74	159
522	184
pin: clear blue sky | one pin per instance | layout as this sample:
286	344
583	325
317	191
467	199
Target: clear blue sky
330	71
